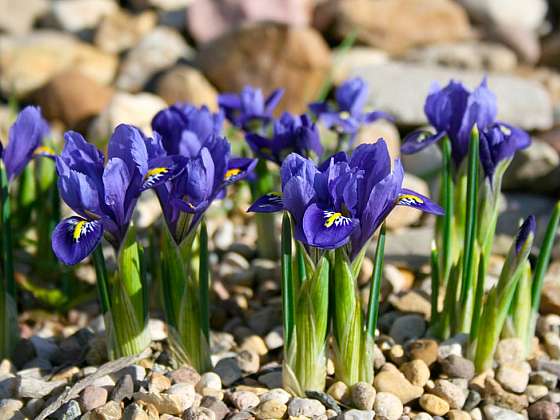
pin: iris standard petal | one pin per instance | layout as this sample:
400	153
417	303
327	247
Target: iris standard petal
81	155
75	238
273	100
418	201
261	146
326	229
128	144
116	180
24	136
268	203
351	96
297	165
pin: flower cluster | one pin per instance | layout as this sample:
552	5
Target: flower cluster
453	111
343	200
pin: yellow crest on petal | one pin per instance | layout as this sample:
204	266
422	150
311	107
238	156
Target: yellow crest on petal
230	173
44	150
410	199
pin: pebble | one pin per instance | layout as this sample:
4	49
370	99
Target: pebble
416	371
216	406
542	377
92	397
552	344
305	407
325	399
472	401
169	404
363	395
244	400
536	392
248	361
354	414
209	380
9	408
277	394
339	391
395	382
422	416
543	410
458	415
120	31
495	394
134	412
408	327
8	384
158	382
255	344
69	411
451	393
425	349
388	405
514	376
124	388
271	379
492	412
434	404
274	339
110	411
229	371
184	390
457	367
510	350
36	388
184	374
271	409
33	407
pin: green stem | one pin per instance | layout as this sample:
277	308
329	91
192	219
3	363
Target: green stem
375	288
288	300
204	281
102	279
435	279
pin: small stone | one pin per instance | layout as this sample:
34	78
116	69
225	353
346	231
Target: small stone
396	383
472	401
363	395
66	374
552	344
425	349
514	376
277	394
79	15
408	327
458	415
36	388
248	361
124	388
135	412
158	382
356	415
396	354
69	411
305	407
10	409
209	380
434	404
535	392
8	385
185	374
451	393
137	372
339	391
542	377
422	416
229	371
274	339
416	371
510	350
325	399
33	407
92	397
271	409
215	405
110	411
271	379
388	405
168	404
492	412
244	400
254	343
496	395
184	391
120	31
457	367
543	410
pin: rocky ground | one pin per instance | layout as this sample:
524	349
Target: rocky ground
92	64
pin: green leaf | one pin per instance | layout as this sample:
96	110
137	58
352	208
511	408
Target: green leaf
435	281
288	299
375	288
204	281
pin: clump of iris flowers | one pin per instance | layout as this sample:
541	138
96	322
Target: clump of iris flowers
193	133
347	113
103	194
25	139
335	209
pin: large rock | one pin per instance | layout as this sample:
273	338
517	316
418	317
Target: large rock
72	98
136	109
269	56
186	84
17	17
420	22
120	31
77	15
401	89
28	62
227	15
157	51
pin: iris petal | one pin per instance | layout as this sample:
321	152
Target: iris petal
268	203
75	238
420	139
418	201
326	229
161	170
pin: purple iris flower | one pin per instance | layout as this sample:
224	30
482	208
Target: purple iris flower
248	107
209	167
343	200
104	195
24	141
346	114
453	111
295	134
